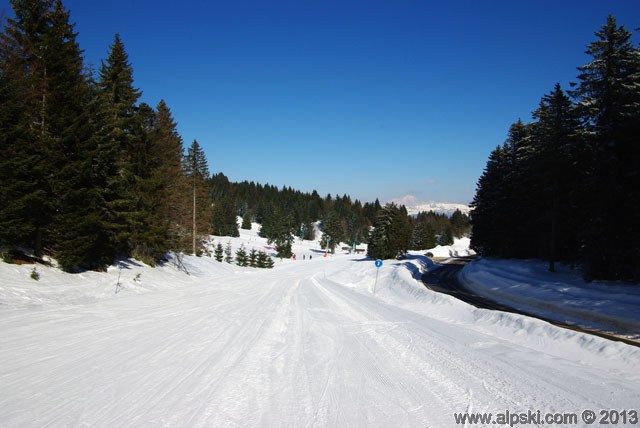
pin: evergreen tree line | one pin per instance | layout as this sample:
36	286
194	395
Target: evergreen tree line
252	258
88	173
285	214
567	186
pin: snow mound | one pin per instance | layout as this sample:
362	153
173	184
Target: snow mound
460	248
563	296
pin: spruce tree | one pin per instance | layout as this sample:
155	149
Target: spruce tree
518	149
246	221
46	198
279	229
241	256
25	165
357	226
253	257
459	224
446	238
308	231
553	217
608	95
169	184
76	234
503	197
333	231
197	171
121	146
228	257
225	220
264	261
391	233
268	262
219	252
489	207
423	236
261	260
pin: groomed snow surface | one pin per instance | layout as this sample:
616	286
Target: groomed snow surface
306	344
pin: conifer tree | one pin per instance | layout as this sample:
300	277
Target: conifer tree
279	229
261	260
253	257
121	155
170	186
555	136
333	231
196	169
228	257
391	233
357	226
608	95
225	220
503	197
518	149
268	262
46	195
488	206
246	221
264	261
26	194
423	236
219	252
446	238
459	224
308	231
241	256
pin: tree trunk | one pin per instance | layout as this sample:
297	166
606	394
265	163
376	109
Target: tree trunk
37	245
554	231
194	216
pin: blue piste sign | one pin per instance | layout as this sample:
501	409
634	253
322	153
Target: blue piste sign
378	263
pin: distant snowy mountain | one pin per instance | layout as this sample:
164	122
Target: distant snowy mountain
414	206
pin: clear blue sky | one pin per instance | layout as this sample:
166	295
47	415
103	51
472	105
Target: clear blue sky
369	98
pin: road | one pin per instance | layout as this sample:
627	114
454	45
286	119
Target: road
445	280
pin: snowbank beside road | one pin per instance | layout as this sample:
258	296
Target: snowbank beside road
460	248
563	296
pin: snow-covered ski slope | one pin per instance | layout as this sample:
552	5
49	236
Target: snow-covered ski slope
306	344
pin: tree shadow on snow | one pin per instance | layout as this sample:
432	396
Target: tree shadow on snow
127	263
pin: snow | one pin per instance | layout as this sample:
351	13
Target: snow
460	248
562	296
306	344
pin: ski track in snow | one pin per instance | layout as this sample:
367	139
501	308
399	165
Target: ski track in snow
306	344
